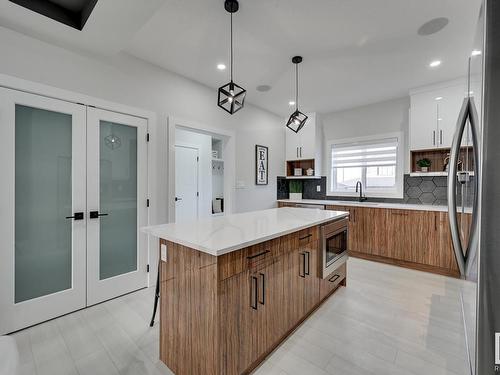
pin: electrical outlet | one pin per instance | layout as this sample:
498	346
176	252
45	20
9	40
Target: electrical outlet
163	252
318	188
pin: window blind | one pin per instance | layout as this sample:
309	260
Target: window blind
380	153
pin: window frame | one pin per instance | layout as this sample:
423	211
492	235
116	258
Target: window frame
396	192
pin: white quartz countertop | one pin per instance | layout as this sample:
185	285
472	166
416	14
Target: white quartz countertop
398	206
223	234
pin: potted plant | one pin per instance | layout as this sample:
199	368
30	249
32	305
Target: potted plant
295	189
424	164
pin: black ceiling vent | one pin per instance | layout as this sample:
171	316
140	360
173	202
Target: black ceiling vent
73	13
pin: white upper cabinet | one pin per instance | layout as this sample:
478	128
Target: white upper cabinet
433	115
306	144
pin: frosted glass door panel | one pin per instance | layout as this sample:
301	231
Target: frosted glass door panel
42	252
43	199
118	199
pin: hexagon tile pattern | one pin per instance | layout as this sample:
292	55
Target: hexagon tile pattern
417	190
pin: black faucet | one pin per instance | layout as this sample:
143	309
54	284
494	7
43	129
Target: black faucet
361	197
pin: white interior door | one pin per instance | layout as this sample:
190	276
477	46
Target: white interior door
42	249
116	202
186	183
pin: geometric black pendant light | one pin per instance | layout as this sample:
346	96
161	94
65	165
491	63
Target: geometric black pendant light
297	119
231	96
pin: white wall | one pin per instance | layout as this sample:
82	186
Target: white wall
379	118
203	143
127	80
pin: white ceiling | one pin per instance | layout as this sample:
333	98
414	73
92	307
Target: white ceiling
355	51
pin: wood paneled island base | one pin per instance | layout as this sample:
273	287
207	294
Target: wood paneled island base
224	314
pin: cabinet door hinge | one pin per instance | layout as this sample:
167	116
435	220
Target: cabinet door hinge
147	137
147	268
147	202
197	193
197	158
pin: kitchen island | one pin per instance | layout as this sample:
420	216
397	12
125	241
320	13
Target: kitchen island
234	287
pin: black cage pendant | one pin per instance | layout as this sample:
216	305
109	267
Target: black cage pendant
231	97
297	119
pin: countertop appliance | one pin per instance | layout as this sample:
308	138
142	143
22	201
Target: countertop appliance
333	250
476	238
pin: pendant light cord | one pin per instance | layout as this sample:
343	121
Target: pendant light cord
231	47
296	87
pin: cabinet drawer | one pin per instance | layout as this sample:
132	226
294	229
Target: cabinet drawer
332	281
248	259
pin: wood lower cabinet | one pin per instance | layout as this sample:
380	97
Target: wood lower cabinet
410	238
223	315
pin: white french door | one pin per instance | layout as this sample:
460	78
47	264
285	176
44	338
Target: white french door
60	162
116	203
42	248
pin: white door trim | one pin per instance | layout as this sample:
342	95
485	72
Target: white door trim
229	160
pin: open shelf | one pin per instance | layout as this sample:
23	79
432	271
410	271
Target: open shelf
437	158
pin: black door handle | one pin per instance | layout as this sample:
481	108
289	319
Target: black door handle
76	216
96	214
178	199
263	278
253	292
303	261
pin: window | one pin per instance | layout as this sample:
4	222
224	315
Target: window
374	162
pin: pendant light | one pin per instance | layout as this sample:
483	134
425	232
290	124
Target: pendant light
297	119
231	96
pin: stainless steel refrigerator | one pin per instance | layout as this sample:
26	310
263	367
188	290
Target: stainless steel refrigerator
474	195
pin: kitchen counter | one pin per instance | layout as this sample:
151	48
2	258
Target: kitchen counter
223	234
395	206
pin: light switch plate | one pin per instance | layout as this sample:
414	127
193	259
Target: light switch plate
163	251
318	188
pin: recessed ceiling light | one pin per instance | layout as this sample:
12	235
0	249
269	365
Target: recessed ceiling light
291	102
440	119
433	26
263	88
475	52
435	63
438	98
221	66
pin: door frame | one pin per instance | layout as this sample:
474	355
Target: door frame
229	160
154	179
194	147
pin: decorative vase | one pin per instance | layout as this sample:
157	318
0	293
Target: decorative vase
295	196
424	169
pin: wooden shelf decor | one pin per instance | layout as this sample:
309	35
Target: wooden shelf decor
437	158
302	164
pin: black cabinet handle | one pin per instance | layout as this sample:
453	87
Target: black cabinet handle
308	254
333	278
178	199
253	293
305	237
263	279
96	214
303	256
76	216
258	255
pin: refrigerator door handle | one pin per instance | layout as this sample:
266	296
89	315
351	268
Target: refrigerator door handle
473	245
464	259
452	184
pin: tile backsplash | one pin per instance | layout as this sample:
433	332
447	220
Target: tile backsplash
429	190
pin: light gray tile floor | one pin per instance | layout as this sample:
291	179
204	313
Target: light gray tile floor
388	320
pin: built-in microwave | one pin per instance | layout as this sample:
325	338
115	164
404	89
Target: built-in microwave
334	237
